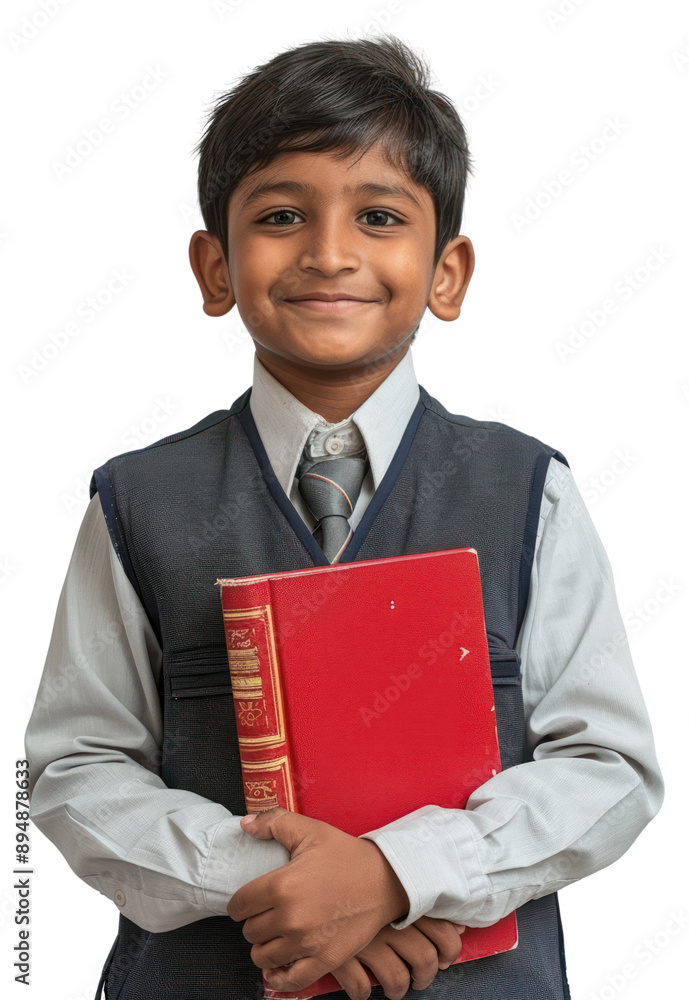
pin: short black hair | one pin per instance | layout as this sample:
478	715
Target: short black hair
339	95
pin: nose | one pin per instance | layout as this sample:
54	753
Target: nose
329	247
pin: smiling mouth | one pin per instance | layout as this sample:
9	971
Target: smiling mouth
335	307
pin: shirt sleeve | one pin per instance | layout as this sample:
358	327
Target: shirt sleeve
165	856
594	781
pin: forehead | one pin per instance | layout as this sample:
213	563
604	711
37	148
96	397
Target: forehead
329	173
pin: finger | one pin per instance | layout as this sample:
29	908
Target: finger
391	969
254	897
445	936
304	972
260	929
353	979
249	825
275	956
259	824
451	958
288	828
422	958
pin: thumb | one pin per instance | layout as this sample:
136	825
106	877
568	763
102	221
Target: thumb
248	823
279	824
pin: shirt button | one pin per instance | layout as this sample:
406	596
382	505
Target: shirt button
334	445
120	898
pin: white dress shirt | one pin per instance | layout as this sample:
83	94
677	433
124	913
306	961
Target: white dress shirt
168	857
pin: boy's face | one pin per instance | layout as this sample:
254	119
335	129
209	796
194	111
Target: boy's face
309	226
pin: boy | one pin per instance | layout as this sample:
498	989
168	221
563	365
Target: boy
331	181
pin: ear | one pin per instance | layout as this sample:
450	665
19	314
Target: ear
210	270
451	278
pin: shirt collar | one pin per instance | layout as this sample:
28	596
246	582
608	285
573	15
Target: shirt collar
285	425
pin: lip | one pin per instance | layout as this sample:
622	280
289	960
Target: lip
325	306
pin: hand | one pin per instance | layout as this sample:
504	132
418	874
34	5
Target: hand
426	945
322	907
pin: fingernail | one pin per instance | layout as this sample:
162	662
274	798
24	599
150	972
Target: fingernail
248	819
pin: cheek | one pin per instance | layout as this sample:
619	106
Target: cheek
403	268
251	278
262	270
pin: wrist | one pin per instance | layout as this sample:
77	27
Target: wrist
394	901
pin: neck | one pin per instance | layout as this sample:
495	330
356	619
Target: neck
335	395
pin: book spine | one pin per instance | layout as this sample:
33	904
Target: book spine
257	689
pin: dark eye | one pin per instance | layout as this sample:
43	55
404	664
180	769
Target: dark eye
280	211
378	212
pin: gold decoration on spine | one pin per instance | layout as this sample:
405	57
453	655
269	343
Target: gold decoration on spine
283	776
242	671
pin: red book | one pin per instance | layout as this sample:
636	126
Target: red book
362	691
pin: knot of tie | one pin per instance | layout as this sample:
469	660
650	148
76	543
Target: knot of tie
330	489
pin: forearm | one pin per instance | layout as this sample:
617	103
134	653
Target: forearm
528	831
166	857
594	781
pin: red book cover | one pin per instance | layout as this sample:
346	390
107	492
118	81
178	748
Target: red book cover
362	691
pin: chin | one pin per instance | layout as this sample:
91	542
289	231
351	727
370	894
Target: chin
330	352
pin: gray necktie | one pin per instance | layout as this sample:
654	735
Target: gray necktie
330	488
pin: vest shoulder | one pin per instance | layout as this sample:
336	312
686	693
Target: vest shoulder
179	441
497	431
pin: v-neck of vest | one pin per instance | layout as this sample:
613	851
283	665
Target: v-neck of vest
379	497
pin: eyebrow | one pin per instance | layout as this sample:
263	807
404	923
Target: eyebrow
301	187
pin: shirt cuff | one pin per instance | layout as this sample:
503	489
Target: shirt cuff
433	853
235	858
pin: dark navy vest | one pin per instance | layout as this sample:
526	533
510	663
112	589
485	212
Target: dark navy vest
205	503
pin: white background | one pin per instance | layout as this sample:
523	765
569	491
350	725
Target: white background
534	88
